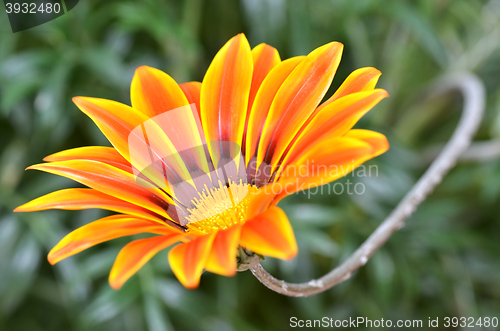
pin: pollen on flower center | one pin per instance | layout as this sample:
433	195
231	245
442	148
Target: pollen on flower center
220	208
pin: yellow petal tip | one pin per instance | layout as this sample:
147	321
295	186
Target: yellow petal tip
52	259
115	285
76	100
20	209
142	68
193	286
32	167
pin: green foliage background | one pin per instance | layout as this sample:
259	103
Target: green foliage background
445	262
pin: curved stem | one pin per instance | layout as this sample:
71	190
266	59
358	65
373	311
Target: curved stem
481	151
473	93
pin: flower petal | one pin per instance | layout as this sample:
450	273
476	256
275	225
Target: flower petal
263	100
265	58
83	198
192	91
187	260
114	119
111	181
136	254
330	159
140	140
154	92
297	98
377	140
260	200
224	93
334	120
102	230
363	79
222	258
270	234
107	155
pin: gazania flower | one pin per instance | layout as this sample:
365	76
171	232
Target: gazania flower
269	109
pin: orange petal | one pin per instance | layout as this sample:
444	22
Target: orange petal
136	254
334	120
363	79
263	100
114	119
270	234
187	260
111	181
192	91
122	124
260	200
153	92
222	258
330	159
265	58
334	152
83	198
106	155
377	140
102	230
224	92
297	98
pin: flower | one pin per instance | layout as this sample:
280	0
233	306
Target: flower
248	98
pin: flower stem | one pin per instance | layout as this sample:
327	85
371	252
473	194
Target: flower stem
473	93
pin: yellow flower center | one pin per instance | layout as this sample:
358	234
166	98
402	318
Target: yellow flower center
220	208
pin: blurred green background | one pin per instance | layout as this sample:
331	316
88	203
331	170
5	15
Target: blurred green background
444	262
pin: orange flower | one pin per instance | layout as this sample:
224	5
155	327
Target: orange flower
249	98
